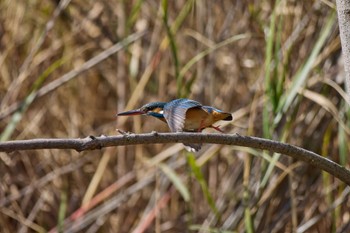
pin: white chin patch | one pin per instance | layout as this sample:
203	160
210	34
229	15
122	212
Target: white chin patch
161	112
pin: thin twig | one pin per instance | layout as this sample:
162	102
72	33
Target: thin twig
92	143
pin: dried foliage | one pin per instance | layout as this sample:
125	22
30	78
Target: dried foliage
275	65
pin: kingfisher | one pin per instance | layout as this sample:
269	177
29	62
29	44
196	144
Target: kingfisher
183	115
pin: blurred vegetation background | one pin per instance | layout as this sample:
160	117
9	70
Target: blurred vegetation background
276	65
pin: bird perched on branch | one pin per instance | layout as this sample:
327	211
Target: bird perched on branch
183	115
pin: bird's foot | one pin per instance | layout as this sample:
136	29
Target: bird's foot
155	133
217	128
122	132
200	129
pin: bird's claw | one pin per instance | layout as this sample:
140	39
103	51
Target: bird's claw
122	132
154	133
217	128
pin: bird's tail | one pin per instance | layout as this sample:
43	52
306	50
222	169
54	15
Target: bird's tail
193	147
227	116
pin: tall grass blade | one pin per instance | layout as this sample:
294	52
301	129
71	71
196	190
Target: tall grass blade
343	141
249	226
191	160
62	211
17	116
176	180
302	74
173	47
134	14
270	68
271	79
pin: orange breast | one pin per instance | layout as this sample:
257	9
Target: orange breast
198	118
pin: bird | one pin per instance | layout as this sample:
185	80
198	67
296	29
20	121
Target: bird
183	115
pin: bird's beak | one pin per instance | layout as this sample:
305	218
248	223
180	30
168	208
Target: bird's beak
132	113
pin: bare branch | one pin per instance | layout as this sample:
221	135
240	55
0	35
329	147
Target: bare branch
92	143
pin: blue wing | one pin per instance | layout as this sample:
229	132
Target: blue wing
175	113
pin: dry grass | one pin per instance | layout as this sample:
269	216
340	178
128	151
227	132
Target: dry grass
161	188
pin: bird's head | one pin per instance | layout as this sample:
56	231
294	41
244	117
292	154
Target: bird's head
154	109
